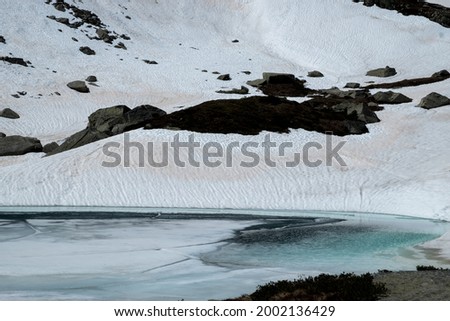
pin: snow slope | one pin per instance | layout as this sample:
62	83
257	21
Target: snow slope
401	167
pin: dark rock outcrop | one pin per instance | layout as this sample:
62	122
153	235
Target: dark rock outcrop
18	145
15	61
2	40
87	51
281	84
2	135
390	97
382	72
436	77
431	11
250	116
242	91
434	100
78	85
360	111
107	122
9	113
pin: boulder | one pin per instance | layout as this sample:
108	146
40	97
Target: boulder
103	120
225	77
280	84
78	85
434	100
137	117
8	113
441	74
18	145
2	135
91	79
2	40
242	91
352	85
50	147
358	111
382	72
315	74
87	51
277	77
390	97
107	122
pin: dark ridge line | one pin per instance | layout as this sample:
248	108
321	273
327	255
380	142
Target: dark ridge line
408	83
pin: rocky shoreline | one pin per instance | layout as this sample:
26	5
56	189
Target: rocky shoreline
416	285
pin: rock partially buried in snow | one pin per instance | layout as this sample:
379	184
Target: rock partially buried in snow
107	122
242	91
352	85
443	73
18	145
225	77
382	72
50	147
91	79
87	51
315	74
9	113
390	97
280	84
78	85
434	100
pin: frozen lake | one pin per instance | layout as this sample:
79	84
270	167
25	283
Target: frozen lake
167	254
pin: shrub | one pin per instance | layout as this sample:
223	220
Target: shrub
343	287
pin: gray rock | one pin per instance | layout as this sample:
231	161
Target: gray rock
361	111
91	79
78	85
352	85
121	45
2	40
107	122
442	73
277	77
242	91
225	77
390	97
103	120
315	74
84	137
18	145
137	117
382	72
150	62
87	51
50	147
434	100
9	113
2	135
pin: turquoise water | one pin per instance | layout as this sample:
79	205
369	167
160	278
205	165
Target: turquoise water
346	246
64	254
